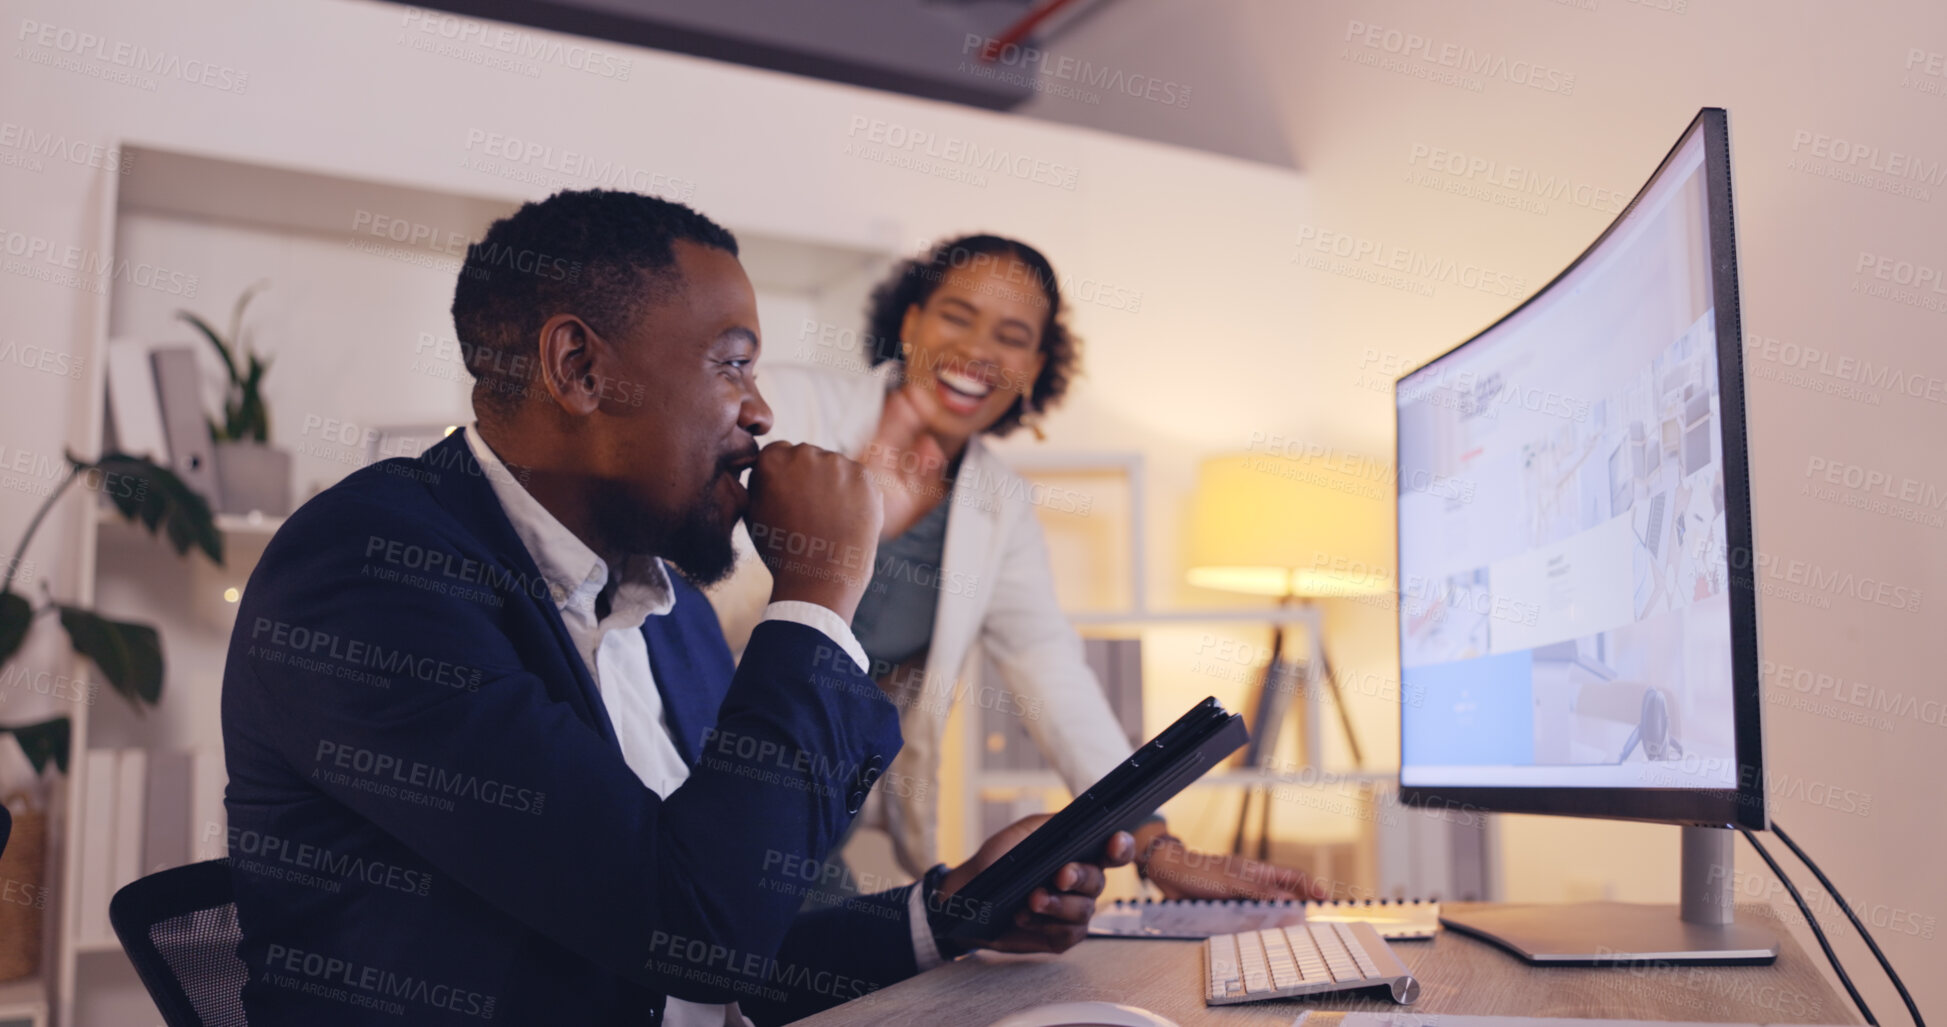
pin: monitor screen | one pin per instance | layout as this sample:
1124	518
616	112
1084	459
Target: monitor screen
1566	615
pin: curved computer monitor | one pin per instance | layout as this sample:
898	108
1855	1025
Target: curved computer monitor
1578	630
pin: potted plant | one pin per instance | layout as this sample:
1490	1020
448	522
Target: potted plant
251	474
23	863
128	655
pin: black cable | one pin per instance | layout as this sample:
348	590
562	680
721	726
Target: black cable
1812	922
1899	985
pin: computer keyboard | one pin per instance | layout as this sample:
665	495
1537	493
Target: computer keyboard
1302	959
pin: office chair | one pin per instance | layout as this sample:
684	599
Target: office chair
179	928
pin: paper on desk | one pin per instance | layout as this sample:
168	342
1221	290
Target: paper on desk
1444	1020
1196	918
1191	920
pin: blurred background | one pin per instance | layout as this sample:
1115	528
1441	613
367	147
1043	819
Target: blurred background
1178	163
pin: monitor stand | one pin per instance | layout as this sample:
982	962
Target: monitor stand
1702	930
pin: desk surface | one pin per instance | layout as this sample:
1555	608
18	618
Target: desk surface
1458	974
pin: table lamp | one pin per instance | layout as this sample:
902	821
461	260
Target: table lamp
1305	526
1299	526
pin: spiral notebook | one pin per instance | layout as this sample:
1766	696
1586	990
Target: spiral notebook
1192	919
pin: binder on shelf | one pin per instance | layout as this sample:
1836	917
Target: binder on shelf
1271	698
209	829
131	790
179	393
143	812
1117	663
998	813
97	844
133	412
166	840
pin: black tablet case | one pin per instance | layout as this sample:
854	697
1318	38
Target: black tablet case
1151	776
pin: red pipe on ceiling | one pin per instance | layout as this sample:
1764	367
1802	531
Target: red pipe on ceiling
1020	30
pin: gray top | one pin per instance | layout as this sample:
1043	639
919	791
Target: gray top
894	621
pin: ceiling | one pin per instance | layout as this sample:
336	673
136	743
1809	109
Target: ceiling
1164	70
926	48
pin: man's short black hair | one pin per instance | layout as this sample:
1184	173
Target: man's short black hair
597	254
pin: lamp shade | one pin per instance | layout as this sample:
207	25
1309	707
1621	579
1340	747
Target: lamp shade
1308	524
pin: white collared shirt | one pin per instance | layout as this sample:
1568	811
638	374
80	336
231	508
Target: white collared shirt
617	659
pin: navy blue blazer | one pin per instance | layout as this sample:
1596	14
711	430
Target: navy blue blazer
430	818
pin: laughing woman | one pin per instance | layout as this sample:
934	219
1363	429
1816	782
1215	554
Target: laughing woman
968	342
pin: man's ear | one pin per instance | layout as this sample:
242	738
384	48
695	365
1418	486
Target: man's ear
570	353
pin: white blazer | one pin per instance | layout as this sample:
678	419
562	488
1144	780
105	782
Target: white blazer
996	590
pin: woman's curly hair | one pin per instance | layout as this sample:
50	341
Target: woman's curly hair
914	281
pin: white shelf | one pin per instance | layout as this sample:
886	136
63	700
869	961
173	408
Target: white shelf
228	524
1019	779
1214	615
248	524
1324	777
223	201
999	779
23	999
205	187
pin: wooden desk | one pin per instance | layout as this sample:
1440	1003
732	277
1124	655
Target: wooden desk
1457	974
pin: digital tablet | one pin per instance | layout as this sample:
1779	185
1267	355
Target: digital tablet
1124	798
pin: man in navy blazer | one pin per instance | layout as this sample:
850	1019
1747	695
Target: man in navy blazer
490	760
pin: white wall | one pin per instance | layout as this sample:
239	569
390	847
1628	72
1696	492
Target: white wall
340	88
1230	338
341	367
336	88
1640	69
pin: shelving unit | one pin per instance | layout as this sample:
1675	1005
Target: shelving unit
210	203
231	525
23	1003
1396	852
1136	617
982	781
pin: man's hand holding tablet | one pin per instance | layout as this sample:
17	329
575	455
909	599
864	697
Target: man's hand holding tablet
1013	874
1056	914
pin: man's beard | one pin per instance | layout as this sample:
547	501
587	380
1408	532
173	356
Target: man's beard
699	545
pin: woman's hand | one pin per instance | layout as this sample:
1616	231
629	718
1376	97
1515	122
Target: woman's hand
908	464
1182	873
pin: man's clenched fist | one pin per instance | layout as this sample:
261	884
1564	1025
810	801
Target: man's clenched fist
814	518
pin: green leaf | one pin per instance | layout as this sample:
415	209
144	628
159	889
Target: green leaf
47	740
232	420
16	616
140	488
253	417
244	417
236	313
222	350
129	655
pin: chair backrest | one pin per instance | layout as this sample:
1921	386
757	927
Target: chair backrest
179	928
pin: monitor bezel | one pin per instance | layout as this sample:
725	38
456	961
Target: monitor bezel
1710	807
